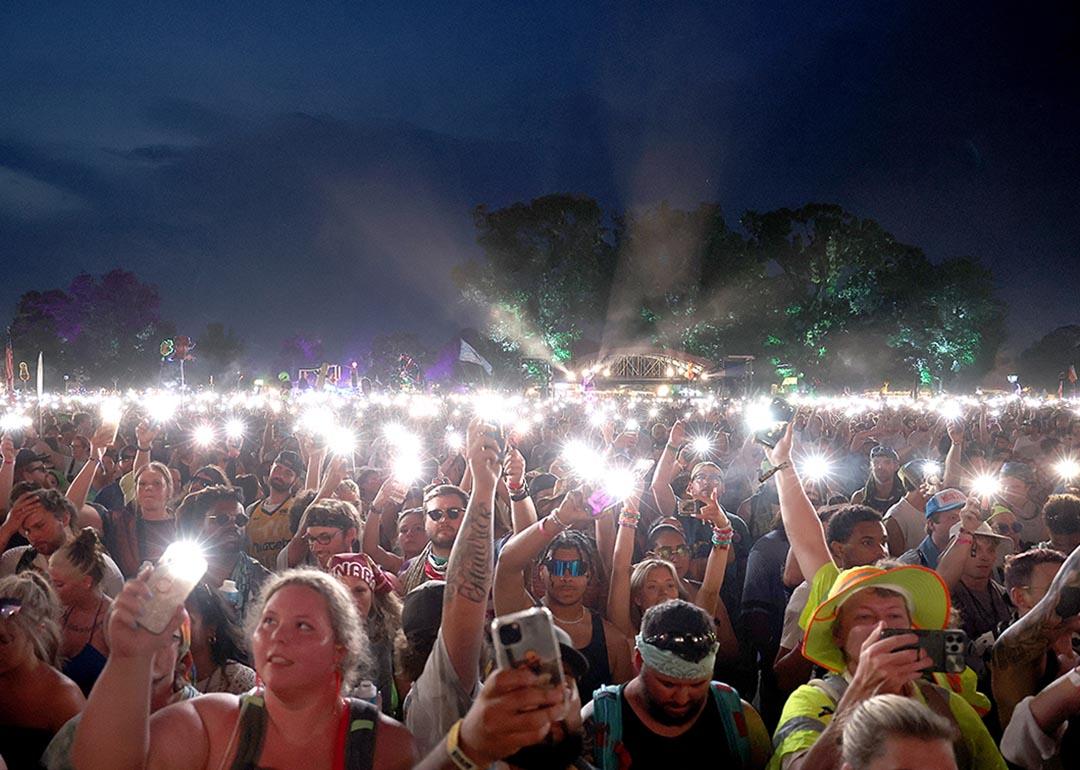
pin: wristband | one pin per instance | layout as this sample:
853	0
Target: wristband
721	538
559	522
964	538
629	520
143	448
9	462
453	749
520	493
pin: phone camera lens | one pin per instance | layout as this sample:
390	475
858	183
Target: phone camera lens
510	634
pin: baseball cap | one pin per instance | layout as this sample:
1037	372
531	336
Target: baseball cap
945	500
290	460
421	612
26	456
884	451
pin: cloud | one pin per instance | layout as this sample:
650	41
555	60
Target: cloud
22	196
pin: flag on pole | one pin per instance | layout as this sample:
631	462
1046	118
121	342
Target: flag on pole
40	375
9	367
470	355
1072	373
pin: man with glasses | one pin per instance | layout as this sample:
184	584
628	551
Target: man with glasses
672	714
30	467
444	509
330	527
215	516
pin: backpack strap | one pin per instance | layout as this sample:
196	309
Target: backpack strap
360	741
607	716
729	704
250	731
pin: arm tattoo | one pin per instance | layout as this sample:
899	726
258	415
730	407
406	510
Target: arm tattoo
468	572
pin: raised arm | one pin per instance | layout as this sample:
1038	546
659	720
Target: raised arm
708	596
665	470
955	556
80	485
801	522
618	599
951	474
1020	650
383	509
468	572
7	475
522	511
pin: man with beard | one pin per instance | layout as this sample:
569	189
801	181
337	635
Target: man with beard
883	488
47	520
216	518
672	714
513	719
268	520
444	509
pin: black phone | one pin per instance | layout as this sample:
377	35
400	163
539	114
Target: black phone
1069	603
947	647
780	413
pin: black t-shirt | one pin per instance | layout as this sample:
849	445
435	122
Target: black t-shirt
706	738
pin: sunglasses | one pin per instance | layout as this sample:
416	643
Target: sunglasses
564	568
666	552
1004	528
9	605
202	481
224	519
689	646
436	514
324	538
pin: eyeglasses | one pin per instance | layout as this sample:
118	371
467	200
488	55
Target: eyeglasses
224	519
666	552
322	539
1004	528
565	568
9	606
436	514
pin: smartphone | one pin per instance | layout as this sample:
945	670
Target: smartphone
178	571
498	435
527	640
947	647
690	507
780	412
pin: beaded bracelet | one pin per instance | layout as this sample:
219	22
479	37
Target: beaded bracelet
722	538
629	520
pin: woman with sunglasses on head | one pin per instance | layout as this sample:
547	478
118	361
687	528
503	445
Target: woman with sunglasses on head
35	698
215	517
307	642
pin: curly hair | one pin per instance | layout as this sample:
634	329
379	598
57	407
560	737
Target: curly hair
349	633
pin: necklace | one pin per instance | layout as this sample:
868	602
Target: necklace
559	620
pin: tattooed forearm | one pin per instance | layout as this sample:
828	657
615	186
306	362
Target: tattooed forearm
468	573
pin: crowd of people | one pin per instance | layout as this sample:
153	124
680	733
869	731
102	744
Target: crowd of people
871	582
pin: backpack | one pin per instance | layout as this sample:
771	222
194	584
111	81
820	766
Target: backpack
359	742
607	713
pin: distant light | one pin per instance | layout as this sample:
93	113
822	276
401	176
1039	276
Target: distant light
204	435
985	485
1067	468
816	467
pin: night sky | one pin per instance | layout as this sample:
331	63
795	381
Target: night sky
311	167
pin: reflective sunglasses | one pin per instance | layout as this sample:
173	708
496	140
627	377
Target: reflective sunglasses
692	647
565	568
436	514
667	552
9	605
224	519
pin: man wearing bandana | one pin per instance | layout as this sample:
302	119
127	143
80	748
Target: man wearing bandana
672	714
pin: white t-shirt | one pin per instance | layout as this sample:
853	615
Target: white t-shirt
436	700
911	520
792	635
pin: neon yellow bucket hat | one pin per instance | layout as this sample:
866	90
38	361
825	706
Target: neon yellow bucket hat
923	590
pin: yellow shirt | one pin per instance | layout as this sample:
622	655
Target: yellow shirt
268	532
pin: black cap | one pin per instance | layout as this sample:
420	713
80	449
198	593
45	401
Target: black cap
290	460
26	456
421	612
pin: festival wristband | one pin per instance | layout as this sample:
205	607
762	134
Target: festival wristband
721	538
629	520
142	448
453	749
964	538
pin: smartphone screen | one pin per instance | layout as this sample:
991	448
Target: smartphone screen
178	571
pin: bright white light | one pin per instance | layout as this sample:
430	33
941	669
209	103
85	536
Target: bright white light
632	424
204	434
317	420
654	412
111	410
597	418
161	406
341	442
620	483
951	410
816	467
454	439
189	563
234	428
407	467
931	468
986	485
13	421
584	461
402	439
663	391
701	445
758	416
1067	468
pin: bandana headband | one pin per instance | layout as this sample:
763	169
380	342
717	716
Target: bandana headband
358	565
671	665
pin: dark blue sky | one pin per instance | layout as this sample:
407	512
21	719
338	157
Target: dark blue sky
311	167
